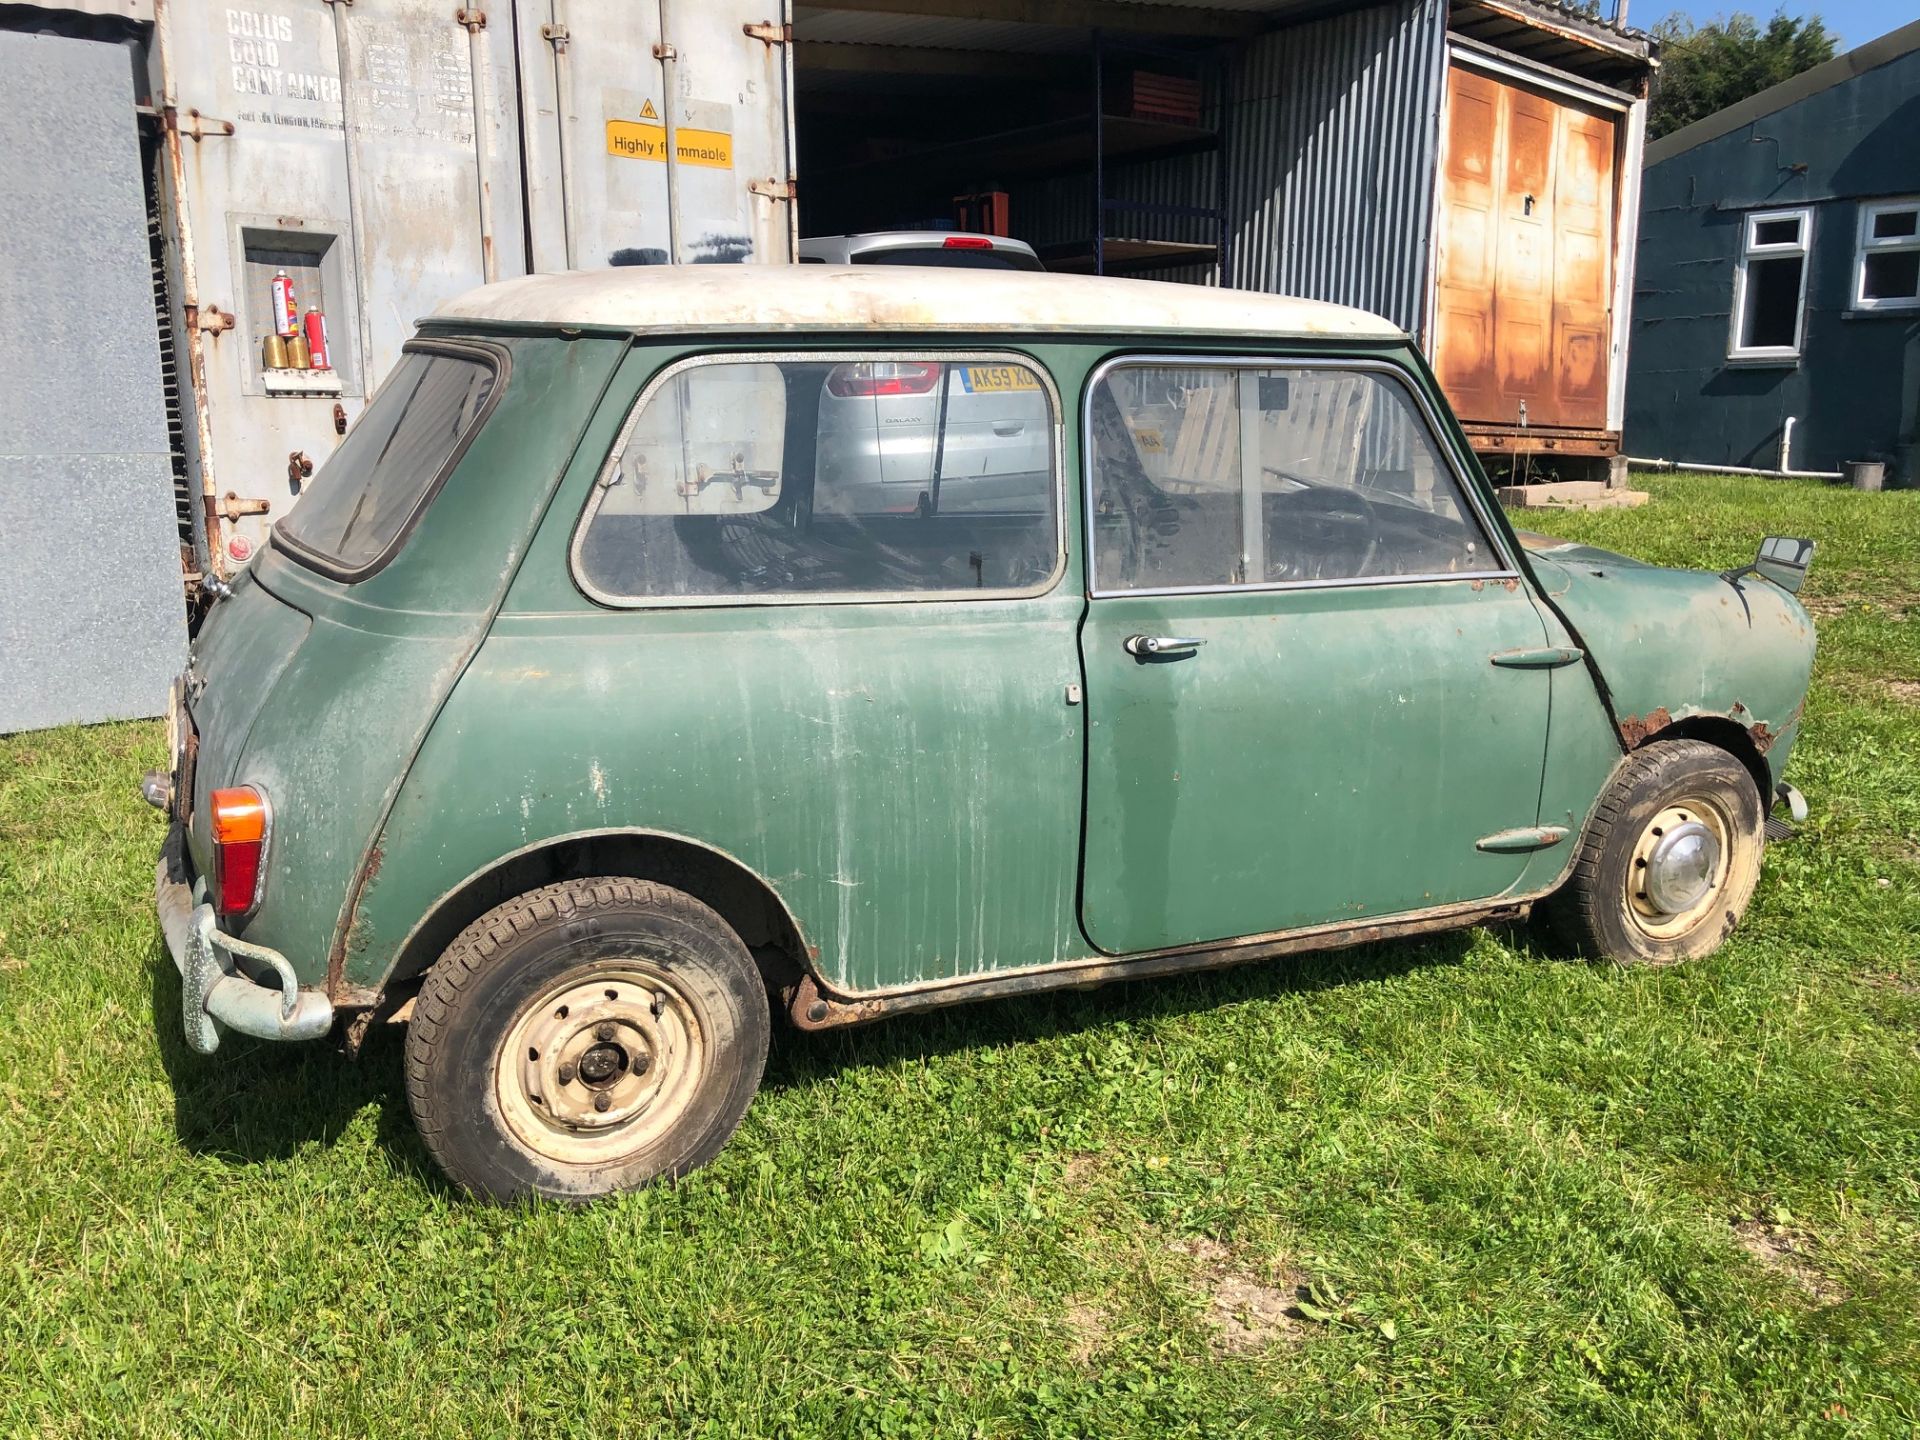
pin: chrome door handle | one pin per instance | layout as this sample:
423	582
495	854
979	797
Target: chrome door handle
1161	644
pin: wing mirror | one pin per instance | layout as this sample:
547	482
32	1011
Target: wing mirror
1785	561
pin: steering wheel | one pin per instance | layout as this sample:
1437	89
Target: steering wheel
1351	507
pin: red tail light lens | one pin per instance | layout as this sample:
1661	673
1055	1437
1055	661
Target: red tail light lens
239	848
966	242
882	377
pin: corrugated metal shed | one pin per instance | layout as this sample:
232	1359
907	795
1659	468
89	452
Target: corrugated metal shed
1329	158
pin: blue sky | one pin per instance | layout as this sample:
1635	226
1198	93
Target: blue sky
1854	21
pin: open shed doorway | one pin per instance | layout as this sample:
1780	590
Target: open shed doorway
1097	144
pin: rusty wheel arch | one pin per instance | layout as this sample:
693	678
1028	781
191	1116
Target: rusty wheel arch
1721	731
744	899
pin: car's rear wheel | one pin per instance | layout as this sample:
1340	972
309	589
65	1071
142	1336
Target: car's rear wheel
1669	860
587	1037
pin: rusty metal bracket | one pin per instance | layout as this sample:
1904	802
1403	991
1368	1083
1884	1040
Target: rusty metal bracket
233	506
196	126
212	320
299	467
471	19
664	51
772	189
555	35
769	33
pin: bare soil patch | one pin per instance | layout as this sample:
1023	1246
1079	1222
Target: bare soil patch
1081	1168
1787	1252
1246	1313
1087	1328
1907	690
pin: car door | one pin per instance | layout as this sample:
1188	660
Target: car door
1311	676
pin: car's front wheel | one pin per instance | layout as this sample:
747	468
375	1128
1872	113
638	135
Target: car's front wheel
1669	859
583	1038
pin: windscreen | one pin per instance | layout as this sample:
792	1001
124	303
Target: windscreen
362	500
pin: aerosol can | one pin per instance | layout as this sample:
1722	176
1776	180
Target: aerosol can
286	307
316	327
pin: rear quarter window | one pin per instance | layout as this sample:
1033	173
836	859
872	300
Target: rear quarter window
364	500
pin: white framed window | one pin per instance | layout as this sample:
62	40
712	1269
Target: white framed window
1770	286
1886	268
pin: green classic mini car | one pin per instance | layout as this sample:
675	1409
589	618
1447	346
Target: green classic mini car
670	651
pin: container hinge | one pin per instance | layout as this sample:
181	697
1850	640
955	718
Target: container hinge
772	189
471	19
196	126
555	35
664	51
212	320
769	33
233	506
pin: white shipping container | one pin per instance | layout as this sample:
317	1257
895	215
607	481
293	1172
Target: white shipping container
387	154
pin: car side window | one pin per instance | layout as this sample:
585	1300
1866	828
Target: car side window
1217	475
842	475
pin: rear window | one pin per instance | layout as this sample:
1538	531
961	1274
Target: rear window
855	475
362	502
967	259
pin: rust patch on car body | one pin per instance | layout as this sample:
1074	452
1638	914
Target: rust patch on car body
812	1006
1634	729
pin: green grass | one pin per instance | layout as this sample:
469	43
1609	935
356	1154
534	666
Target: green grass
1511	1183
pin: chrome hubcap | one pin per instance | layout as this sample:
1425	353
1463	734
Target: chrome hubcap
1681	867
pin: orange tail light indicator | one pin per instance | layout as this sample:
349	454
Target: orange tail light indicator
240	825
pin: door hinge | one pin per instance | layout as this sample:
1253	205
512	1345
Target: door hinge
233	506
1540	657
212	320
769	33
772	189
1527	837
471	19
196	126
664	51
555	35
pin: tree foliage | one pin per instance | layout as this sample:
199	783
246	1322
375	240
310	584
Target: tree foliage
1704	68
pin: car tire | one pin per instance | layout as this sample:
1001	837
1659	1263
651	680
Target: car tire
1669	859
584	1038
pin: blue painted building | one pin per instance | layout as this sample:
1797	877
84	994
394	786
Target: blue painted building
1777	278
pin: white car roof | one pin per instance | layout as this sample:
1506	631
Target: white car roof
798	298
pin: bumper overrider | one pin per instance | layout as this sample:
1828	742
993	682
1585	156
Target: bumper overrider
243	987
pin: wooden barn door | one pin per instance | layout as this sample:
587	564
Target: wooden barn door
1523	312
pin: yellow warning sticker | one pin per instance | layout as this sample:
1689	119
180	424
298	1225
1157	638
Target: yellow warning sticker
632	140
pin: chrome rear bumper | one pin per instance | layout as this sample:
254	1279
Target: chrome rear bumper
214	986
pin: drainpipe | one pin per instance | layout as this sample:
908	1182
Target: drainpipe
666	55
476	21
1642	463
1784	471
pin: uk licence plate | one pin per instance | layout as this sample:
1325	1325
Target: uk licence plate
981	379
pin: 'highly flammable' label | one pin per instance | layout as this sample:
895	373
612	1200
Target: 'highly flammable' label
640	140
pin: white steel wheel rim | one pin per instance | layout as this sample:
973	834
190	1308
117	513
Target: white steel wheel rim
599	1067
1663	863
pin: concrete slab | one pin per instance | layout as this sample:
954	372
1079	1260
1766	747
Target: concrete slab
1570	495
